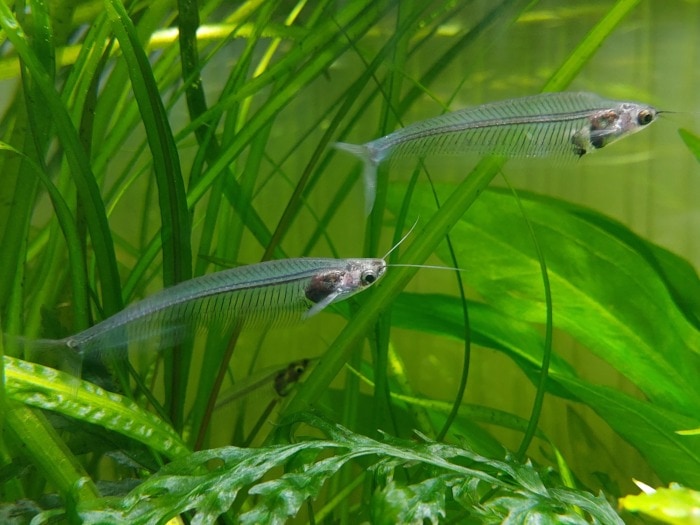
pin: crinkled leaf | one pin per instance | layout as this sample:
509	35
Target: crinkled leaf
189	484
284	496
514	510
412	504
193	484
50	389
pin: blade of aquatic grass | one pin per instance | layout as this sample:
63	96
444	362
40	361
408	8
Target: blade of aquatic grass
320	48
175	221
256	151
486	31
49	389
589	45
20	187
72	237
547	353
30	435
80	167
174	213
188	23
210	148
42	45
116	114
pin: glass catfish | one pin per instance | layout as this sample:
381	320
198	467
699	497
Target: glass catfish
550	124
285	290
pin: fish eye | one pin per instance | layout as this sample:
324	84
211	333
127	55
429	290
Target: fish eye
644	117
368	277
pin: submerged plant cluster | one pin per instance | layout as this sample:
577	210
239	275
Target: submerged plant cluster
146	143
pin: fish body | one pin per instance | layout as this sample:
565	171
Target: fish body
550	124
285	290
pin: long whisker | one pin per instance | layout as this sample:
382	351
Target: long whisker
429	266
402	239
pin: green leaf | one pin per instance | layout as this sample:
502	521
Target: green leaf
410	504
692	141
49	389
605	294
649	428
81	171
208	482
175	219
676	504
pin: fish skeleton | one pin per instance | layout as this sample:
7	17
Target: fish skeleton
567	124
285	290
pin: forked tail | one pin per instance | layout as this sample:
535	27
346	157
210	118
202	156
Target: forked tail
369	174
49	352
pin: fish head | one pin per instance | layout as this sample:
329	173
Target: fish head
351	276
362	273
610	125
633	117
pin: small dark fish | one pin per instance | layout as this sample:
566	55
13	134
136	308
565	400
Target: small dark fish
550	124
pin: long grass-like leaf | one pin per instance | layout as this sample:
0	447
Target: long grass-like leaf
175	222
82	173
174	213
33	435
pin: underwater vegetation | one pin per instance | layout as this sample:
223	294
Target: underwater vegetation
154	151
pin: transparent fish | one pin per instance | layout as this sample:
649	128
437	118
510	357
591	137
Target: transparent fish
285	290
550	124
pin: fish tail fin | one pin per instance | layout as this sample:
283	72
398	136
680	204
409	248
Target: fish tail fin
369	175
56	353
